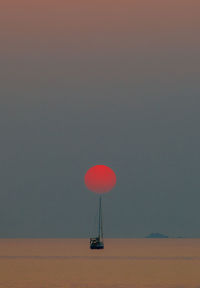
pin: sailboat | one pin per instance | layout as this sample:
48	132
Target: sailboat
97	242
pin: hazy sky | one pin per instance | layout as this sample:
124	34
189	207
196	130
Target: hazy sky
99	82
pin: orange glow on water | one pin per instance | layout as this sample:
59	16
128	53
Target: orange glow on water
139	263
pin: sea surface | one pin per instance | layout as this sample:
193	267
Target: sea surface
124	263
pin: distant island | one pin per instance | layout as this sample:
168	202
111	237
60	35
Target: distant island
156	235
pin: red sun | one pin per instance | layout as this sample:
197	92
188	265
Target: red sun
100	179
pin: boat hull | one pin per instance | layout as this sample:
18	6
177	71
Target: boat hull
97	246
96	243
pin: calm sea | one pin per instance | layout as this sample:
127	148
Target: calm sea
124	263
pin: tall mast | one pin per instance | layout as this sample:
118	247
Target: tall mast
101	224
100	219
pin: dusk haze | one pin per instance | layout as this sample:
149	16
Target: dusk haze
100	144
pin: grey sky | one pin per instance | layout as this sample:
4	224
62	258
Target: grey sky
134	108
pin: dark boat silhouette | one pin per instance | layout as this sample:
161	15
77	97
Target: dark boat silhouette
97	242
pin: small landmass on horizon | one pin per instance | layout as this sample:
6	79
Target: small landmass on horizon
156	235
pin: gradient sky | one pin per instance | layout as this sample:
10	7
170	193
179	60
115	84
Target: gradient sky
99	82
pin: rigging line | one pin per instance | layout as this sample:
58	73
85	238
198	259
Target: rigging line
94	224
101	221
